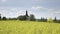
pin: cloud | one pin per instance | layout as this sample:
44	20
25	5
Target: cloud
35	0
12	12
39	8
38	11
46	0
47	12
3	0
56	13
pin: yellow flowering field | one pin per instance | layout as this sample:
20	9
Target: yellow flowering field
28	27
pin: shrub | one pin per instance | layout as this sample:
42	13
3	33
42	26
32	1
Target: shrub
50	20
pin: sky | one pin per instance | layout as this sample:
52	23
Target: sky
40	8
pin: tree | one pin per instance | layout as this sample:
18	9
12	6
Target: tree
43	19
32	17
55	19
22	17
4	18
50	20
0	16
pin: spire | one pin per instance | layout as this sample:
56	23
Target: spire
26	13
0	14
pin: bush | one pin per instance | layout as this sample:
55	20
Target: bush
4	18
50	20
32	17
21	17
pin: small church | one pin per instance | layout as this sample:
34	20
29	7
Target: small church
27	16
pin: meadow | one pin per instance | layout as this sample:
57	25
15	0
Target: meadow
28	27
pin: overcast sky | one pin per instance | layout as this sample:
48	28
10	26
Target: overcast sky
40	8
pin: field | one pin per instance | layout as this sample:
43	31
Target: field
28	27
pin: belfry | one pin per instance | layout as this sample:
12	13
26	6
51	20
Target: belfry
26	13
27	16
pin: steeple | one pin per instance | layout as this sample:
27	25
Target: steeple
26	13
0	14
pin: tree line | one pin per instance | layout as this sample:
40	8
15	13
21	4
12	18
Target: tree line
26	17
21	17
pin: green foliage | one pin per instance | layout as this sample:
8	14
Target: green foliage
32	17
0	17
42	19
22	17
56	20
4	18
50	20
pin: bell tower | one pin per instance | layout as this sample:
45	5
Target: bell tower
27	16
26	13
0	16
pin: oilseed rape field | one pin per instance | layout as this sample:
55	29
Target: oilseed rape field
28	27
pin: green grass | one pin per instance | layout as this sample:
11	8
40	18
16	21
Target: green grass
28	27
